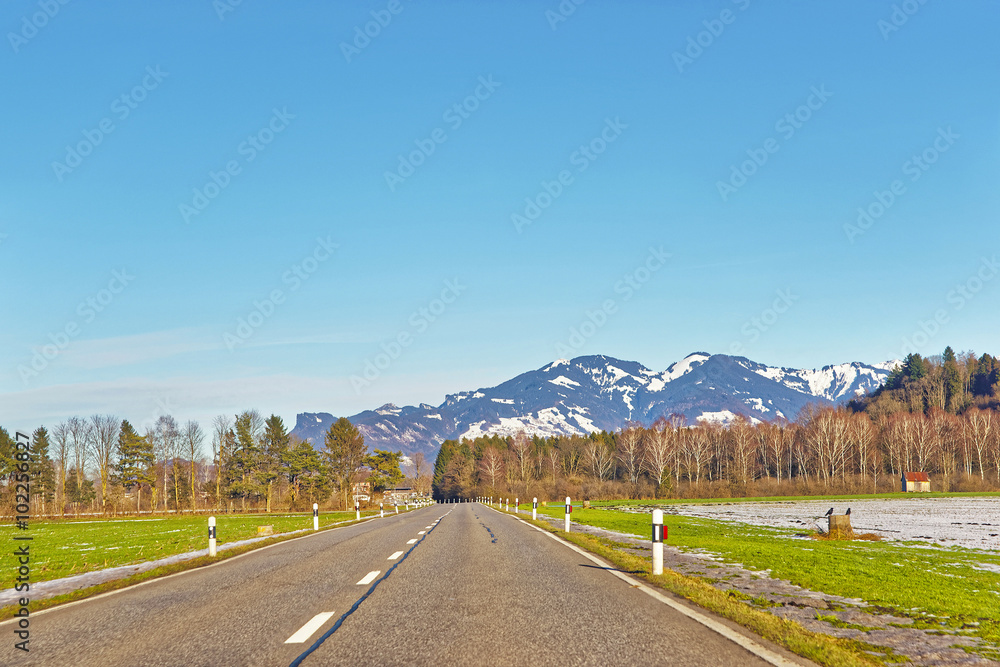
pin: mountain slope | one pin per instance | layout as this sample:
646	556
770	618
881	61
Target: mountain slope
598	392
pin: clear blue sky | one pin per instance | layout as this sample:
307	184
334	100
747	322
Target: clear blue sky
197	87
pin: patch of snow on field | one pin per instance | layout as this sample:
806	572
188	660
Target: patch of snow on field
967	522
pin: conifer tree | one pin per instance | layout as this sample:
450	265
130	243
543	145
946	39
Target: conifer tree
273	448
135	461
43	475
344	452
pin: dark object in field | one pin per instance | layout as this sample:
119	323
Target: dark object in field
848	512
829	512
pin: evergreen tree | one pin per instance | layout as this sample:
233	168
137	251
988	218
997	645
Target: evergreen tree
954	389
43	474
273	449
385	469
79	489
307	476
245	461
135	461
344	452
914	366
8	449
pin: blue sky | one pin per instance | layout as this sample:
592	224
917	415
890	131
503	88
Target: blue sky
618	100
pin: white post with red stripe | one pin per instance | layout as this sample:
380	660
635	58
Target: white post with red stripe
211	536
569	508
657	541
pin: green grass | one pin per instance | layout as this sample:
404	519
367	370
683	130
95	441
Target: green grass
822	649
61	548
936	587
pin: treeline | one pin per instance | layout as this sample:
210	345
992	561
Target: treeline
102	464
950	382
937	415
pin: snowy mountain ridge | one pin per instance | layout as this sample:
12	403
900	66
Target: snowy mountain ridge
585	394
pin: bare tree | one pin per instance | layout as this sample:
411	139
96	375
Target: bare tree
744	448
862	434
659	449
78	428
520	447
61	451
166	446
491	466
697	450
103	441
600	459
553	456
221	426
629	452
979	425
193	437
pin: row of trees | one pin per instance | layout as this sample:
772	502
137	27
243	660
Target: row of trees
104	464
826	450
937	415
952	382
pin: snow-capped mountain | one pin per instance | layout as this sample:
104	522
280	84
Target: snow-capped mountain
596	392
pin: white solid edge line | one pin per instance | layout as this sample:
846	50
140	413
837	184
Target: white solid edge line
395	555
201	568
307	630
754	647
369	578
413	541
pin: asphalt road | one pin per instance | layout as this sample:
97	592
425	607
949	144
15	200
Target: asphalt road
471	587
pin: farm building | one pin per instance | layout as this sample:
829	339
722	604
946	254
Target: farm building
915	482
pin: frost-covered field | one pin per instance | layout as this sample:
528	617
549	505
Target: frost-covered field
967	522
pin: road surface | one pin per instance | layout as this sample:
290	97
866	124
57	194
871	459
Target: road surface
455	584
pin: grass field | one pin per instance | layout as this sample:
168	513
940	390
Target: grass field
937	587
66	547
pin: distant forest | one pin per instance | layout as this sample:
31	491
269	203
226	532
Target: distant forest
936	414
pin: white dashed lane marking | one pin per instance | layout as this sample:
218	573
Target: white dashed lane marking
395	555
307	630
370	577
413	541
421	532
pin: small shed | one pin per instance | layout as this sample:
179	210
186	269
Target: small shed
914	482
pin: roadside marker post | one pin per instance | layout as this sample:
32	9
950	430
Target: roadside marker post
211	536
315	516
357	510
657	541
516	503
396	507
569	508
534	509
508	503
381	511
